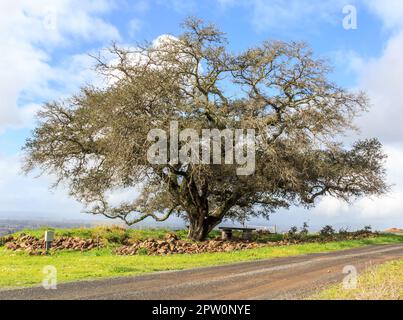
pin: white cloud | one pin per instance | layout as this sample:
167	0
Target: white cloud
56	21
381	77
22	194
390	11
331	207
386	206
29	34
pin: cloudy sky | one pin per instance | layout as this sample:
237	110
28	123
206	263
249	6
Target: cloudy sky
44	47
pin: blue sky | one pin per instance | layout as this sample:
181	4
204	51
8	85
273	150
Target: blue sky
45	46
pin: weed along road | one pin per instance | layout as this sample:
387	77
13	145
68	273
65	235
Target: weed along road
279	278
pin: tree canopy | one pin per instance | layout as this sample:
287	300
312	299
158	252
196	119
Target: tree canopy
97	140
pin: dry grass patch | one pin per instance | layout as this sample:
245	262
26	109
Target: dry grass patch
384	282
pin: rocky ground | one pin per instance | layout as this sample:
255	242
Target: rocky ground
173	245
34	246
170	245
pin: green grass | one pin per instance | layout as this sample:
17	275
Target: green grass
384	282
17	269
112	234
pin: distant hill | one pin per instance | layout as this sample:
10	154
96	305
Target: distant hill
8	226
394	230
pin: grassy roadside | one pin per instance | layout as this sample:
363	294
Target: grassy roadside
17	269
384	282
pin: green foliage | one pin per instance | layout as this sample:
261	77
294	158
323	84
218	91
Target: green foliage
304	231
264	237
343	231
367	229
113	235
293	233
3	240
327	231
142	251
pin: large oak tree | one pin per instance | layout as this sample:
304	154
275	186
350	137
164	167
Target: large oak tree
96	141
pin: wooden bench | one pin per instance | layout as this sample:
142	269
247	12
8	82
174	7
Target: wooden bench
226	233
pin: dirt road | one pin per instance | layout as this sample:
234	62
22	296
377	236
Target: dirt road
280	278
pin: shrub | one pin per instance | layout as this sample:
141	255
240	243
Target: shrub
327	231
304	231
292	233
5	239
343	231
367	229
264	236
142	251
109	234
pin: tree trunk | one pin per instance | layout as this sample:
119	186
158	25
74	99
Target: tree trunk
201	226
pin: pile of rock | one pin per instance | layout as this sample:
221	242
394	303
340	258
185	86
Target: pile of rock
35	246
172	245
